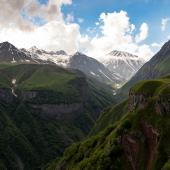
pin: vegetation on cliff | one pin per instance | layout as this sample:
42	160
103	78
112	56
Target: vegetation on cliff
138	141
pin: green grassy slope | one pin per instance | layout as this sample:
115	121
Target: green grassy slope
34	127
109	116
139	140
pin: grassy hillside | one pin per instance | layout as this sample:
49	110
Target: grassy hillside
109	116
140	140
43	109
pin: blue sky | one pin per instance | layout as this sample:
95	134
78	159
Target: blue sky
136	26
149	11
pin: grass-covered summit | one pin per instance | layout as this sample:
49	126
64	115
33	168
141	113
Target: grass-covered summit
139	140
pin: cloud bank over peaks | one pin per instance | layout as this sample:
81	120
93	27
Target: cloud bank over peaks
20	23
117	33
54	34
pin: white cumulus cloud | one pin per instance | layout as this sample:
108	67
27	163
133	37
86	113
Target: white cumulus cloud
164	23
55	34
144	29
112	31
117	33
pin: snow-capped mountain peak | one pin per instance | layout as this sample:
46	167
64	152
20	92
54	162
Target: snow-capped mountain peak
60	58
123	63
33	48
117	68
78	60
122	54
9	53
78	53
8	47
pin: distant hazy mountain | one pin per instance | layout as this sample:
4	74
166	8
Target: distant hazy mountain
117	69
9	53
90	66
158	66
123	63
93	68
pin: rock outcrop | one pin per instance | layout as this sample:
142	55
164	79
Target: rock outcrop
137	100
131	150
151	141
150	136
131	143
141	101
162	105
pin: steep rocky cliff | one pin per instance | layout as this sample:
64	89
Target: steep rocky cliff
137	141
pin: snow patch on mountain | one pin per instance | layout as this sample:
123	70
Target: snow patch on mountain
123	63
116	68
60	58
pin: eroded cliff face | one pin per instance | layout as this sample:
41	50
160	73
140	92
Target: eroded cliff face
141	101
131	148
137	100
151	140
146	140
162	105
140	143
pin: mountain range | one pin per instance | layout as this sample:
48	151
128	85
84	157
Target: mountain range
114	70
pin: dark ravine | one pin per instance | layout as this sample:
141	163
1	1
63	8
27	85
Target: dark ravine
45	113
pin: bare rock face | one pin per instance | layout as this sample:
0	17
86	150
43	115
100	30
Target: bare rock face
149	135
162	105
131	149
59	111
152	137
137	100
141	101
131	143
